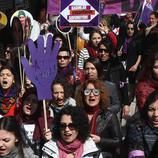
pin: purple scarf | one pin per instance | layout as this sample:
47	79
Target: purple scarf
126	44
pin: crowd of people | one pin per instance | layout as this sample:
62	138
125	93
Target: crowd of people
93	89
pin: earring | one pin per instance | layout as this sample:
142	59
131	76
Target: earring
16	140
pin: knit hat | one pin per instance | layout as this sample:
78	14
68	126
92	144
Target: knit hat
21	13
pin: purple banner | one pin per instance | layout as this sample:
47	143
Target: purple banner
147	8
110	6
124	6
53	7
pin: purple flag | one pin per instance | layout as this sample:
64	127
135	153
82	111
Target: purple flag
148	7
121	6
107	6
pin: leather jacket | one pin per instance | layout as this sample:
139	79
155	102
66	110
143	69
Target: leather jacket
108	128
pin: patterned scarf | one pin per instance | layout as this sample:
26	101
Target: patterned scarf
7	100
76	147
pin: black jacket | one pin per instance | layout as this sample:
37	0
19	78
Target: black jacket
114	71
108	128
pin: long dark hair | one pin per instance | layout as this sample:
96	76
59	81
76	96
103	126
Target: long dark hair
134	26
62	37
10	124
108	44
97	64
30	96
91	35
15	87
150	99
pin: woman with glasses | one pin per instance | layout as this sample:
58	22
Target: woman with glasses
113	71
104	125
66	69
131	56
71	136
93	70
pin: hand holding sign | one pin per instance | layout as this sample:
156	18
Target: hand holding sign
43	69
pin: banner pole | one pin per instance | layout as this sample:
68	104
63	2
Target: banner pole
45	115
21	81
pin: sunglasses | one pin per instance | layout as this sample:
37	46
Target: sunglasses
63	126
94	91
63	57
129	28
7	51
103	50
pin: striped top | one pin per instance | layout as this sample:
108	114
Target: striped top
84	55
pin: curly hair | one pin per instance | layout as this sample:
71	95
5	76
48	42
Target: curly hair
80	98
79	119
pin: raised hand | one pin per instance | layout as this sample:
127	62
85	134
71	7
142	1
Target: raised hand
43	68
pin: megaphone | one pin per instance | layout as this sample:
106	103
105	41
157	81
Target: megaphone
61	29
3	20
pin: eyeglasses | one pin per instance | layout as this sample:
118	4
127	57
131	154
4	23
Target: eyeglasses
63	126
103	50
7	51
129	28
63	57
94	91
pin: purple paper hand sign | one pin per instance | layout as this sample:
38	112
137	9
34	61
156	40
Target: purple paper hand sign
43	69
